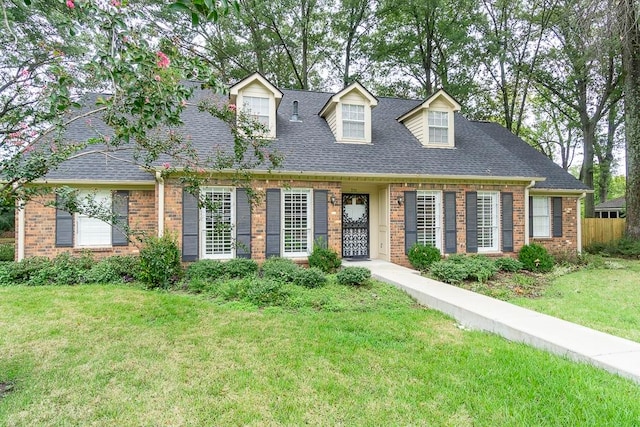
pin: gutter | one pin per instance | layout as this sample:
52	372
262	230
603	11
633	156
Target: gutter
579	221
160	192
526	211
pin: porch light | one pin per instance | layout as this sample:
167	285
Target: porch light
400	200
332	198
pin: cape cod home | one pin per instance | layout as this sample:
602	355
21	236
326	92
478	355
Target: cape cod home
370	176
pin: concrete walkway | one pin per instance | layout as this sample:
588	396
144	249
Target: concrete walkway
514	323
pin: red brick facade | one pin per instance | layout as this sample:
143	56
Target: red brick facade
143	208
40	226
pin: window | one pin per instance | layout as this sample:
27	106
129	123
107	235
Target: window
438	127
541	214
258	108
92	231
353	121
429	218
217	223
487	211
296	222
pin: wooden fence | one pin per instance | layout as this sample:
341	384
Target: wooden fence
601	230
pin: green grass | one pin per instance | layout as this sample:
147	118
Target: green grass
117	355
604	299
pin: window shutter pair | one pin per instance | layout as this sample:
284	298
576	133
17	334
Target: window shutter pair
506	225
320	220
556	216
411	217
119	206
191	225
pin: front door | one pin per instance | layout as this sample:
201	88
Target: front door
355	225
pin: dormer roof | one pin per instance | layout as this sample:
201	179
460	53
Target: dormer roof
248	81
335	99
439	95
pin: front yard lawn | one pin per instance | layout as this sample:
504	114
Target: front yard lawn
604	299
120	355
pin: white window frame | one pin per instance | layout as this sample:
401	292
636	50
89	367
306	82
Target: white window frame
493	218
252	105
442	115
230	237
541	216
423	220
349	116
288	228
92	232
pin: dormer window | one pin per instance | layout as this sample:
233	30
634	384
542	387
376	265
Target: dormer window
258	98
353	121
258	108
438	127
432	122
348	114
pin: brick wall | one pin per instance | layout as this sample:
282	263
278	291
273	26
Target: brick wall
173	210
397	254
569	240
40	229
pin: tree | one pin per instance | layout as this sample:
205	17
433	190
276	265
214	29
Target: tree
512	37
582	71
145	93
629	13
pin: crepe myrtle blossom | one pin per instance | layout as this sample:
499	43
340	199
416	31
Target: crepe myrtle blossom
70	4
166	165
232	107
163	60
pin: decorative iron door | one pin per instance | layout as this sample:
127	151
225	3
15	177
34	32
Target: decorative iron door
355	225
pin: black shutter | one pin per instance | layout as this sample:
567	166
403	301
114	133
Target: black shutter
557	216
530	216
243	224
472	221
273	223
507	222
120	208
450	237
64	227
410	220
190	214
320	218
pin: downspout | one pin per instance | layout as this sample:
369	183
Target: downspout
579	221
526	211
21	231
160	191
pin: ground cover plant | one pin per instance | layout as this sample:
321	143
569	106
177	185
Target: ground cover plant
119	354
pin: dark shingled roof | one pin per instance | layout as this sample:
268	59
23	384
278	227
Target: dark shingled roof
481	149
618	203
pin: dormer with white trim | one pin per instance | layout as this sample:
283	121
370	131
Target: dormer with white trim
348	114
256	96
432	121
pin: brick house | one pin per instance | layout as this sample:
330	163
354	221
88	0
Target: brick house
370	176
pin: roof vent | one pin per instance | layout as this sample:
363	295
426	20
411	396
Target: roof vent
295	117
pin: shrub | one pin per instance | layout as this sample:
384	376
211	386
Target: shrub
263	292
114	269
206	269
353	276
508	264
160	262
282	269
311	277
535	258
422	256
324	258
24	270
7	252
239	268
5	273
449	271
480	268
66	269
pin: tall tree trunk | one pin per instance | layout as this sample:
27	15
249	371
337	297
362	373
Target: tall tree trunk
631	63
586	173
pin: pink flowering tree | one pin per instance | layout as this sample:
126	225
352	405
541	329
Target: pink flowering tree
61	50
